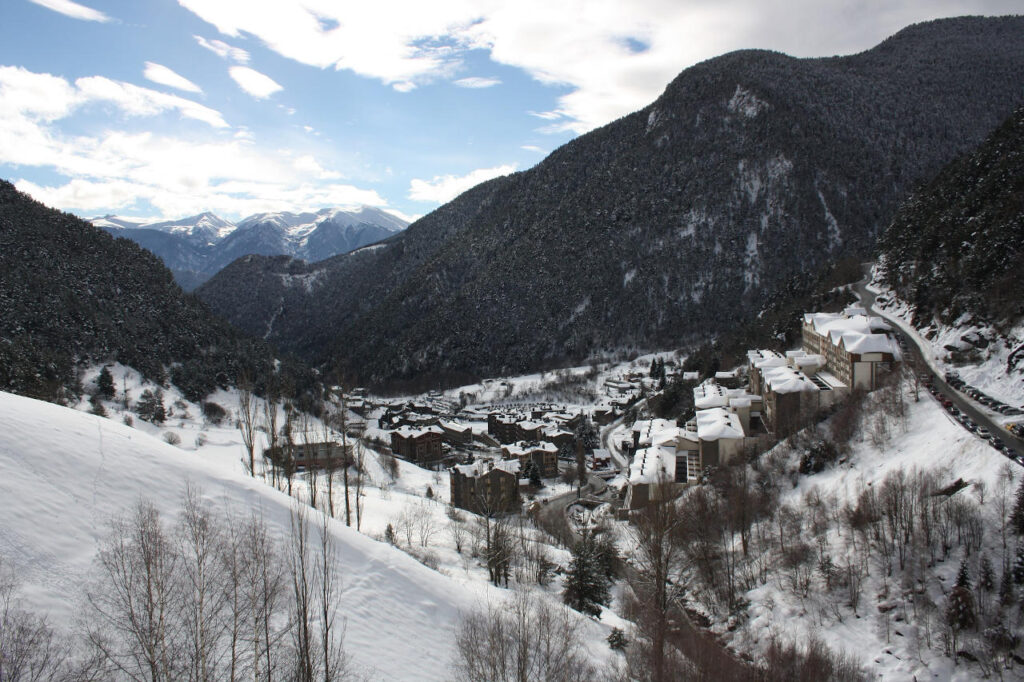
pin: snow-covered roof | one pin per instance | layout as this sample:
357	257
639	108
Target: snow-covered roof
855	342
808	361
787	380
726	375
409	432
522	448
717	423
825	323
709	394
691	376
482	466
762	359
655	431
454	426
650	463
530	425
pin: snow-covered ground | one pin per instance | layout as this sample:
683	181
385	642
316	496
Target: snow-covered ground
887	646
67	473
989	375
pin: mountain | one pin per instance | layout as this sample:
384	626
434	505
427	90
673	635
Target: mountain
956	247
671	225
73	295
197	247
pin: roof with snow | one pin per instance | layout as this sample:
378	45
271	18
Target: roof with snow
483	466
523	448
651	463
409	432
710	394
454	426
655	431
786	379
762	359
718	423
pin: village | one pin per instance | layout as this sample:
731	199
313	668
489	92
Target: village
504	453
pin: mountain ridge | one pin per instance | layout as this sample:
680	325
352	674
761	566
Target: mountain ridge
197	247
670	225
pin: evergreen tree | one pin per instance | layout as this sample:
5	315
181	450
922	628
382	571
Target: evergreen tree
1006	588
151	407
617	639
987	579
960	613
105	384
1017	515
533	473
1018	565
586	587
389	535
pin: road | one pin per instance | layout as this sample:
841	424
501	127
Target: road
962	402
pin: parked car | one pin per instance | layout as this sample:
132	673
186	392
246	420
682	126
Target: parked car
984	433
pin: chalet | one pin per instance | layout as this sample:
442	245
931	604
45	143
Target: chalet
420	446
604	415
559	436
544	456
529	430
486	486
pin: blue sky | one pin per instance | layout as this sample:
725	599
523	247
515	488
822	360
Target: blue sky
166	108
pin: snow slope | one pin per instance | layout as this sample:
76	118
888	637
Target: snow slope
65	474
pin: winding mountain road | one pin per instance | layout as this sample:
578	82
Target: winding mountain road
917	356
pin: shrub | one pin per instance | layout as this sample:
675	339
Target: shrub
213	412
172	438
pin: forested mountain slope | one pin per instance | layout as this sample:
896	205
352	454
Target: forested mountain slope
672	224
956	245
71	294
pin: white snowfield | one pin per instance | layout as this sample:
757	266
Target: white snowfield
64	474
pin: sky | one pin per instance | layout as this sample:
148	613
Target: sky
161	109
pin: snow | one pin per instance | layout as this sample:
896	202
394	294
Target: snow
717	423
932	441
744	102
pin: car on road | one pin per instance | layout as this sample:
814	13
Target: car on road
984	433
971	426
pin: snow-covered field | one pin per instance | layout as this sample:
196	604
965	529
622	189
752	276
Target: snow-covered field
67	473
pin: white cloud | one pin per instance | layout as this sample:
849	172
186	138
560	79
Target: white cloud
614	57
444	188
73	10
533	148
115	170
404	86
158	73
307	164
477	82
253	82
42	96
223	50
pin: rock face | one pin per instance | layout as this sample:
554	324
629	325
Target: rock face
196	248
670	225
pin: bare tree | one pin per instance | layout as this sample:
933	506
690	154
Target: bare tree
203	597
523	640
132	626
307	433
360	466
247	411
655	555
30	651
270	421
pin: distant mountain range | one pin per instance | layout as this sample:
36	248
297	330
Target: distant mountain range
198	247
671	226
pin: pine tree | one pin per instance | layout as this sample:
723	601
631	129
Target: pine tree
960	613
617	639
151	407
389	534
586	587
987	579
1018	565
1006	588
533	473
1017	515
105	384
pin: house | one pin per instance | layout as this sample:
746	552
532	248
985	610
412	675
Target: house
321	455
528	430
455	433
503	427
648	432
420	446
559	436
544	456
604	415
720	436
486	486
